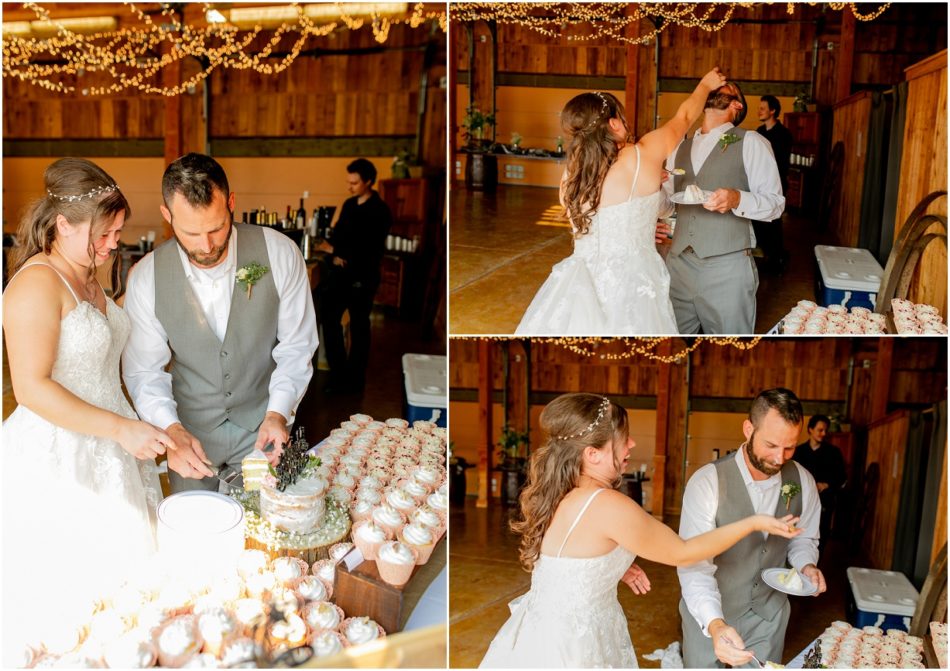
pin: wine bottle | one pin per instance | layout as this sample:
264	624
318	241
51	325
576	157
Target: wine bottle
301	219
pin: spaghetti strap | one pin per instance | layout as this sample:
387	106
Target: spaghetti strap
636	175
576	520
68	286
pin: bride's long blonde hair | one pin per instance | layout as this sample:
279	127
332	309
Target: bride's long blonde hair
571	424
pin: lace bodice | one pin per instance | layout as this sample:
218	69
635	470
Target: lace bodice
623	230
87	361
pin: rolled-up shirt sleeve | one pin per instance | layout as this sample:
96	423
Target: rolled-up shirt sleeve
698	581
147	353
765	199
803	549
296	327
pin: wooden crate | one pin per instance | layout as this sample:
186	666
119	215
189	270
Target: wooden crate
362	592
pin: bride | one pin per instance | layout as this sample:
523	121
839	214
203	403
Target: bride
580	537
615	282
80	487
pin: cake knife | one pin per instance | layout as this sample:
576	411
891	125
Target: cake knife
228	475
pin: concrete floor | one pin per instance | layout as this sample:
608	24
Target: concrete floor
484	575
502	247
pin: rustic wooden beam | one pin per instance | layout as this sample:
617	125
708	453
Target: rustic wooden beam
95	148
663	401
881	385
845	64
516	410
453	46
485	433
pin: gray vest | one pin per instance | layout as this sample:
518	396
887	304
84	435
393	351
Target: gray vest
214	381
739	569
711	233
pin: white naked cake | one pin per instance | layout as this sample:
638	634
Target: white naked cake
298	508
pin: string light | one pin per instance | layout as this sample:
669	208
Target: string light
632	347
609	20
126	58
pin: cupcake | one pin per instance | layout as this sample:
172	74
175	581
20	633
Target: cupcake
401	501
130	651
438	502
361	419
204	660
359	630
288	569
389	518
259	583
426	516
368	536
361	510
345	480
312	588
341	495
395	562
415	489
397	423
376	426
217	628
251	562
420	538
429	477
250	613
321	615
327	643
238	651
339	550
290	632
326	570
178	641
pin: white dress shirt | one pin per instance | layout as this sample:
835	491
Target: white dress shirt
765	199
147	353
700	502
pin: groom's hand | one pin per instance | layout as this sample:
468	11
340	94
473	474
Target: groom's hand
815	576
664	233
273	431
636	579
188	458
727	644
722	200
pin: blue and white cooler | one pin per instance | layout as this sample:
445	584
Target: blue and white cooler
849	276
884	599
426	396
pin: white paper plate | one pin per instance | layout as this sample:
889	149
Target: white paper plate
680	198
771	575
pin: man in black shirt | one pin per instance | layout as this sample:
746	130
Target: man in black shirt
824	461
768	234
356	244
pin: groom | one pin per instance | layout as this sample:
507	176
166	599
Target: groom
220	366
728	612
713	279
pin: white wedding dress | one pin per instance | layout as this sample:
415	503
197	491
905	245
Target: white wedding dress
78	511
615	282
570	618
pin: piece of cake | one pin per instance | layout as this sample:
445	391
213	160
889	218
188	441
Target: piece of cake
694	194
299	508
254	467
792	580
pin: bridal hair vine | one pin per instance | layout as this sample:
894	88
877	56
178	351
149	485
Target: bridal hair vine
109	188
604	109
601	411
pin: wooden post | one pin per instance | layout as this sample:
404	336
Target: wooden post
676	437
663	384
456	33
880	387
516	411
484	422
845	65
639	90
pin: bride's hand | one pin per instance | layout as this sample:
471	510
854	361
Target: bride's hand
713	79
636	579
141	439
777	526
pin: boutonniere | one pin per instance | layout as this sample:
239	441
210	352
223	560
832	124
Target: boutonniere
728	139
789	490
249	274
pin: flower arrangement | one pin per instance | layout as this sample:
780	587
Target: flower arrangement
475	123
726	140
789	491
249	274
516	139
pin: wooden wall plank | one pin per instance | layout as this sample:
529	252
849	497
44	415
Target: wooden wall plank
887	441
850	126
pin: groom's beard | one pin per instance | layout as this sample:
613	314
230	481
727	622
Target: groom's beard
211	258
759	464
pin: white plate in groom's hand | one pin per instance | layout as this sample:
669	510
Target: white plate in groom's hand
681	199
771	578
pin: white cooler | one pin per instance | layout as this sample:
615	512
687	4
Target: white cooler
426	396
884	599
849	276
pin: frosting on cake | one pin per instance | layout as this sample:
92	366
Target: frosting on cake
361	630
395	552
